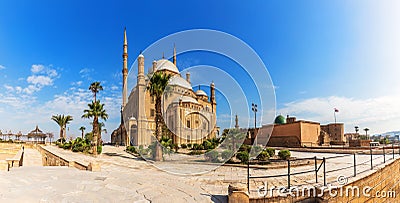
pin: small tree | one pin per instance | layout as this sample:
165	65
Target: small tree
243	156
263	156
284	154
62	121
82	128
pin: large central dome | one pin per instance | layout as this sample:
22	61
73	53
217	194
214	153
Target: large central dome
177	80
164	64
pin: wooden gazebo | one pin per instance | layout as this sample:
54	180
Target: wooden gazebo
37	135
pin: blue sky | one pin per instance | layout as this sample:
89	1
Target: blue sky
320	55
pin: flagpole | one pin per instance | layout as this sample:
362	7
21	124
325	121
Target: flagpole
334	114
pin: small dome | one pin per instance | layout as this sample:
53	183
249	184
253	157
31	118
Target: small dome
185	99
140	56
280	120
177	80
132	118
164	64
201	93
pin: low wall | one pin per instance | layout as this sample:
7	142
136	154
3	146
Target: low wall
50	159
381	186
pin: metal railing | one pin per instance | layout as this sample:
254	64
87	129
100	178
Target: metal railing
378	152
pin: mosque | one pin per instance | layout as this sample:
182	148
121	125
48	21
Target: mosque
189	115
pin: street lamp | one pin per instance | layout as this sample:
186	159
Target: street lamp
254	109
366	133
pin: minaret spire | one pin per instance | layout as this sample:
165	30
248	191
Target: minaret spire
236	122
125	71
174	58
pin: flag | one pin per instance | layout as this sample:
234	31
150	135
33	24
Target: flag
336	110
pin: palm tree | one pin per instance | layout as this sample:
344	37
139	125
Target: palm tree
158	83
366	132
62	121
101	129
96	110
95	87
82	128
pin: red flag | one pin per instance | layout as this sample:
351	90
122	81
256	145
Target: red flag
336	110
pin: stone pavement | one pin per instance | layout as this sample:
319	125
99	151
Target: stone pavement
123	177
32	157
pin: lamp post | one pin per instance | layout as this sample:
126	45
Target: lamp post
366	133
356	128
254	109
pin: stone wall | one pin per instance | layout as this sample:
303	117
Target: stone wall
50	159
383	182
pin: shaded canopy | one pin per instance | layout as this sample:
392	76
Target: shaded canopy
37	133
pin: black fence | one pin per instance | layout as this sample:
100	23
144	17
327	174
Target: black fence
387	152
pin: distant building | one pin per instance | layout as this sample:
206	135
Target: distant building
289	132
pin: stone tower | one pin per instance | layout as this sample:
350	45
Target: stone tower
141	93
125	71
212	96
236	122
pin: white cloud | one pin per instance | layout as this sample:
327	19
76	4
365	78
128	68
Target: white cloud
380	114
9	88
86	72
114	87
78	83
36	68
40	80
2	67
31	89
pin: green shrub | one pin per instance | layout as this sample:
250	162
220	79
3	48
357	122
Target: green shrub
189	145
207	145
198	147
245	147
284	154
263	156
195	152
212	156
175	147
183	146
271	152
67	145
243	156
99	149
227	154
131	149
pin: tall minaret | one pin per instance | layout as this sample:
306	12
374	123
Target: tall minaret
174	58
125	71
236	122
140	98
212	96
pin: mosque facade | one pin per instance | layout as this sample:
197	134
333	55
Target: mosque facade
189	115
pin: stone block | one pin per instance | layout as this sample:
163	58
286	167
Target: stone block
237	193
94	167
